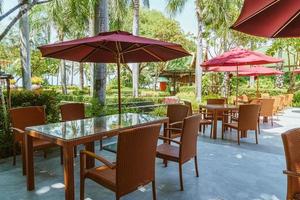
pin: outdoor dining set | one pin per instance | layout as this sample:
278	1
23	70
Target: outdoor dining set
134	166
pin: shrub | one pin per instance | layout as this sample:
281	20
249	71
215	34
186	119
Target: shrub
21	98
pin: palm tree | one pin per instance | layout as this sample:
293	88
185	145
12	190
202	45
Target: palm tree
98	22
25	48
175	6
135	31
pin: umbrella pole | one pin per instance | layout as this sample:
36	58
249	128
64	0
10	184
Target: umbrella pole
237	85
257	83
119	84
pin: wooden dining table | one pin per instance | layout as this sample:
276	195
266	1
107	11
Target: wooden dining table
86	131
215	109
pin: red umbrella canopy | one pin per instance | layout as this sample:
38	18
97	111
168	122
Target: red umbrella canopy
225	69
296	71
107	47
260	71
238	57
270	18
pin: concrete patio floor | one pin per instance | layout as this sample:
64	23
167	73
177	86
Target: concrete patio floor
227	171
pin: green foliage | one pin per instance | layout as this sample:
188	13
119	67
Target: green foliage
296	99
159	111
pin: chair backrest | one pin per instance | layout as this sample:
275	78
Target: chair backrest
136	158
276	104
188	147
216	101
72	111
281	104
291	96
286	100
177	112
189	104
291	141
248	117
26	116
255	101
267	106
265	95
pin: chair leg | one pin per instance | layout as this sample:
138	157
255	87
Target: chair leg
258	125
211	130
45	153
223	132
75	151
256	137
196	166
117	197
180	177
200	128
101	145
272	121
153	190
82	180
204	129
238	136
166	163
61	156
14	153
23	159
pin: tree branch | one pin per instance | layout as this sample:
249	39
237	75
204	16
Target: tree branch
19	15
11	10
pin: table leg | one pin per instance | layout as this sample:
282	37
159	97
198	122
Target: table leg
68	152
265	120
215	124
29	162
90	162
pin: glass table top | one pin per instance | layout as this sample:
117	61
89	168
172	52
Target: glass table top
81	128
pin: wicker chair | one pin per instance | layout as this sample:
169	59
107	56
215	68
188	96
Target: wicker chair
221	101
267	106
203	122
176	113
25	117
291	140
134	166
72	111
187	148
247	120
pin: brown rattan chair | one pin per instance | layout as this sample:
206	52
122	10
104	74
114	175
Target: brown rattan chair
203	122
187	148
24	117
134	167
176	113
291	141
267	106
72	111
276	105
247	120
221	101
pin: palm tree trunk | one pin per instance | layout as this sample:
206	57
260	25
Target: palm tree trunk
98	71
135	31
72	73
81	77
25	49
199	56
63	74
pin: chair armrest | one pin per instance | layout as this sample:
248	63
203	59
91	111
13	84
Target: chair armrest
169	139
291	173
174	129
17	130
176	123
97	157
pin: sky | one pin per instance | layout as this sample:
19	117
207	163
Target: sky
186	18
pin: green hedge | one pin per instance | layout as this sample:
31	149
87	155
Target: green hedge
20	98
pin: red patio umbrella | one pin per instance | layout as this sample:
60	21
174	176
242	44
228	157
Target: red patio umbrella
296	71
114	47
259	71
269	18
239	58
